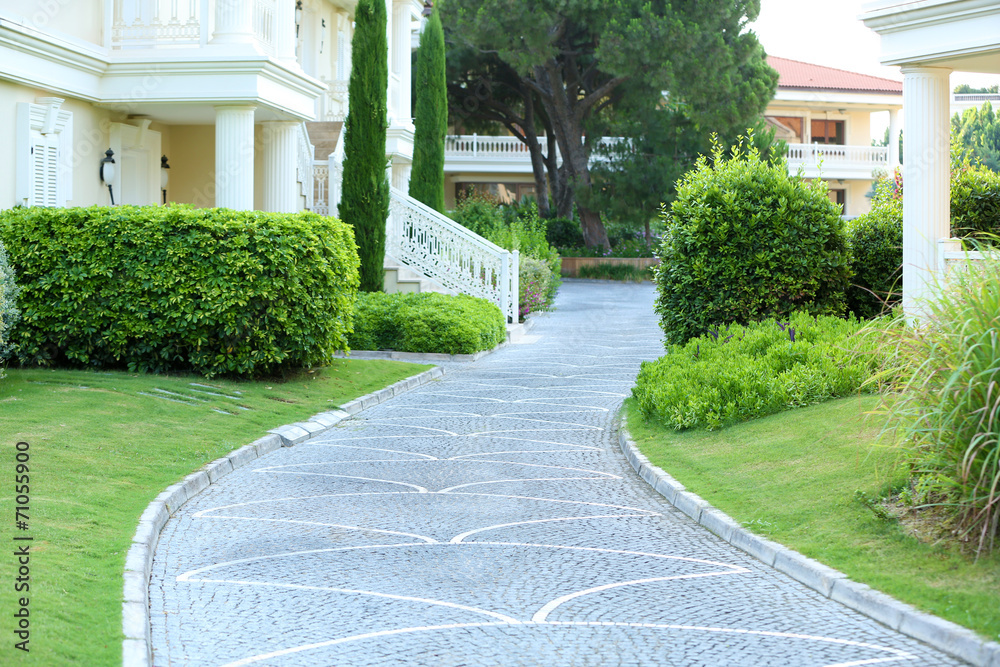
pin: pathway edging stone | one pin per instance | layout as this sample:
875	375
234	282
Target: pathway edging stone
136	647
937	632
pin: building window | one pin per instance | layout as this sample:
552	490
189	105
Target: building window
827	132
44	175
788	128
839	196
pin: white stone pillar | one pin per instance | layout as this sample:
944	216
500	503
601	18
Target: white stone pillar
926	187
233	22
281	188
401	63
893	139
400	173
284	31
234	157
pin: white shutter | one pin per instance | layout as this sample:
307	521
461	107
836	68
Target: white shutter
44	134
44	170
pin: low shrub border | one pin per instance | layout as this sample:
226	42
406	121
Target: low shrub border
136	647
426	323
939	633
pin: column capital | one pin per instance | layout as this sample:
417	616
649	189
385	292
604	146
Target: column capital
921	69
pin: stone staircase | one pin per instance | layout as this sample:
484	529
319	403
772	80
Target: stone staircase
324	136
402	278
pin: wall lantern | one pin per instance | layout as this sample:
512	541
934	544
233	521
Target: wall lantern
108	172
298	17
164	176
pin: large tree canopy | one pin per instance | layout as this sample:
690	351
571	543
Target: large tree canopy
569	61
977	132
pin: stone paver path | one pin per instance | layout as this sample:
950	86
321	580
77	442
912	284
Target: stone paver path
486	519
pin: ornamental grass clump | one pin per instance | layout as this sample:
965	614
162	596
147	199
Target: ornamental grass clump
744	241
945	371
738	372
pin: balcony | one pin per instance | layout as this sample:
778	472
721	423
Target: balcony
157	24
833	161
471	153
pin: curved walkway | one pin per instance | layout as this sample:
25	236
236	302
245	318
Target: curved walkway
487	519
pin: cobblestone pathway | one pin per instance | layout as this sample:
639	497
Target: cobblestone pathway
486	519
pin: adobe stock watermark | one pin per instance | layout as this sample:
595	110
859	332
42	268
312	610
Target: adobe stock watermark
22	546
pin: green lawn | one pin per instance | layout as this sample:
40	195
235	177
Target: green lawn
792	477
101	449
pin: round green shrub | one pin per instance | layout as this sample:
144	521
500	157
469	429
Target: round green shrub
9	314
161	289
564	233
975	203
745	241
876	243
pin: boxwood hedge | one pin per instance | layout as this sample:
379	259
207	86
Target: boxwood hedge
426	322
176	288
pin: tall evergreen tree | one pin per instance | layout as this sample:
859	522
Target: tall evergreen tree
364	202
427	179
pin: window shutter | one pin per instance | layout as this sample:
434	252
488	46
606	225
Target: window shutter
44	170
44	135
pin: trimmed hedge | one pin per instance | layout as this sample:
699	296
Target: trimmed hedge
426	322
876	243
744	242
741	373
176	288
9	314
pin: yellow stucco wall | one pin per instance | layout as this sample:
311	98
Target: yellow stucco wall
192	165
82	19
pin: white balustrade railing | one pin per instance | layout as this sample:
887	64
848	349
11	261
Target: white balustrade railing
335	101
976	97
445	251
501	149
147	23
305	171
321	193
143	24
833	155
263	23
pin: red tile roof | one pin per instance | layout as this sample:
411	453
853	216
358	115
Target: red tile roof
805	76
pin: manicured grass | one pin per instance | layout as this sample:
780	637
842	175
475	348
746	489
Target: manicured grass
100	451
792	477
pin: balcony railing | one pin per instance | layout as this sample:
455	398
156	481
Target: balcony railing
832	156
503	149
144	24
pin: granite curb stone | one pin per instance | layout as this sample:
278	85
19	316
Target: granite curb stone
937	632
136	647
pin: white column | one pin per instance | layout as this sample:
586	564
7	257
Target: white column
233	22
893	139
284	31
281	189
234	157
926	188
401	48
400	176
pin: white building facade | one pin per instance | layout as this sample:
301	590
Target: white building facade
231	92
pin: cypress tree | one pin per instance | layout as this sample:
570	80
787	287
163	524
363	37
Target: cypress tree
364	202
427	179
